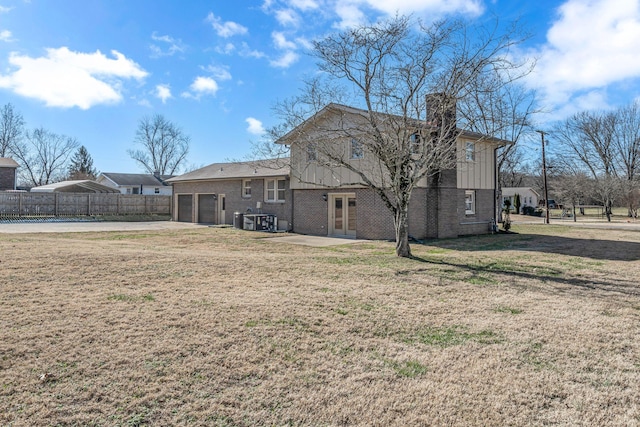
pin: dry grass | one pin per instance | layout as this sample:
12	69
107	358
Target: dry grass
221	327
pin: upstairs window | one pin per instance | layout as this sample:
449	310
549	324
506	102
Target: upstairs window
357	152
312	152
470	152
156	190
416	143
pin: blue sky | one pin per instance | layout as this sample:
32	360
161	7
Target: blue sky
91	69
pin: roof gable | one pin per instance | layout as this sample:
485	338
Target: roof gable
8	162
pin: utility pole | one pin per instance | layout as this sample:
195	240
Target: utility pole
544	180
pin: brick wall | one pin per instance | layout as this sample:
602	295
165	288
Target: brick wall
7	179
232	189
477	223
373	219
310	212
433	212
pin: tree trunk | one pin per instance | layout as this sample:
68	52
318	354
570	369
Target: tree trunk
401	223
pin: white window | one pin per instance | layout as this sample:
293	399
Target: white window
312	152
470	151
246	188
357	151
275	190
469	202
128	190
416	142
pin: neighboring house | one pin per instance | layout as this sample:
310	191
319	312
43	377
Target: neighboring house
214	193
462	202
8	168
137	183
76	186
528	196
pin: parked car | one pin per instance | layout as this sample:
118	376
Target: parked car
551	203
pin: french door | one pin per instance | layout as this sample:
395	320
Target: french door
342	215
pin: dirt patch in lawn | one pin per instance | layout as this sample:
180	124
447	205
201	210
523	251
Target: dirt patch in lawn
223	327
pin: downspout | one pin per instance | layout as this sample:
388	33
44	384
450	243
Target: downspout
496	206
292	205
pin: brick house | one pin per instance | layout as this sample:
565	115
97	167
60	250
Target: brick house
136	183
8	168
214	193
325	200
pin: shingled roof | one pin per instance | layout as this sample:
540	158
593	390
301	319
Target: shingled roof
77	186
135	178
236	170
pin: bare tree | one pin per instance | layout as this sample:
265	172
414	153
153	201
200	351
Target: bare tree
512	167
11	129
164	145
388	70
607	146
43	156
572	186
505	111
587	142
626	144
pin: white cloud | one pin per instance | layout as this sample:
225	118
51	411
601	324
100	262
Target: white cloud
163	92
351	12
4	9
304	4
281	42
247	52
5	36
226	29
173	46
219	72
201	86
285	60
65	78
390	7
287	17
255	126
307	44
227	49
350	15
267	4
591	45
289	57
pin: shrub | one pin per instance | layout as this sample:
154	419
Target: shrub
530	210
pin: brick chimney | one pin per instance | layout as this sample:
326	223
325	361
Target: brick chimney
441	110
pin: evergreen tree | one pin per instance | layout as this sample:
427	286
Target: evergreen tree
81	166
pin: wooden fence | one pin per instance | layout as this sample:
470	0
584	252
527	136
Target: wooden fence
77	204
